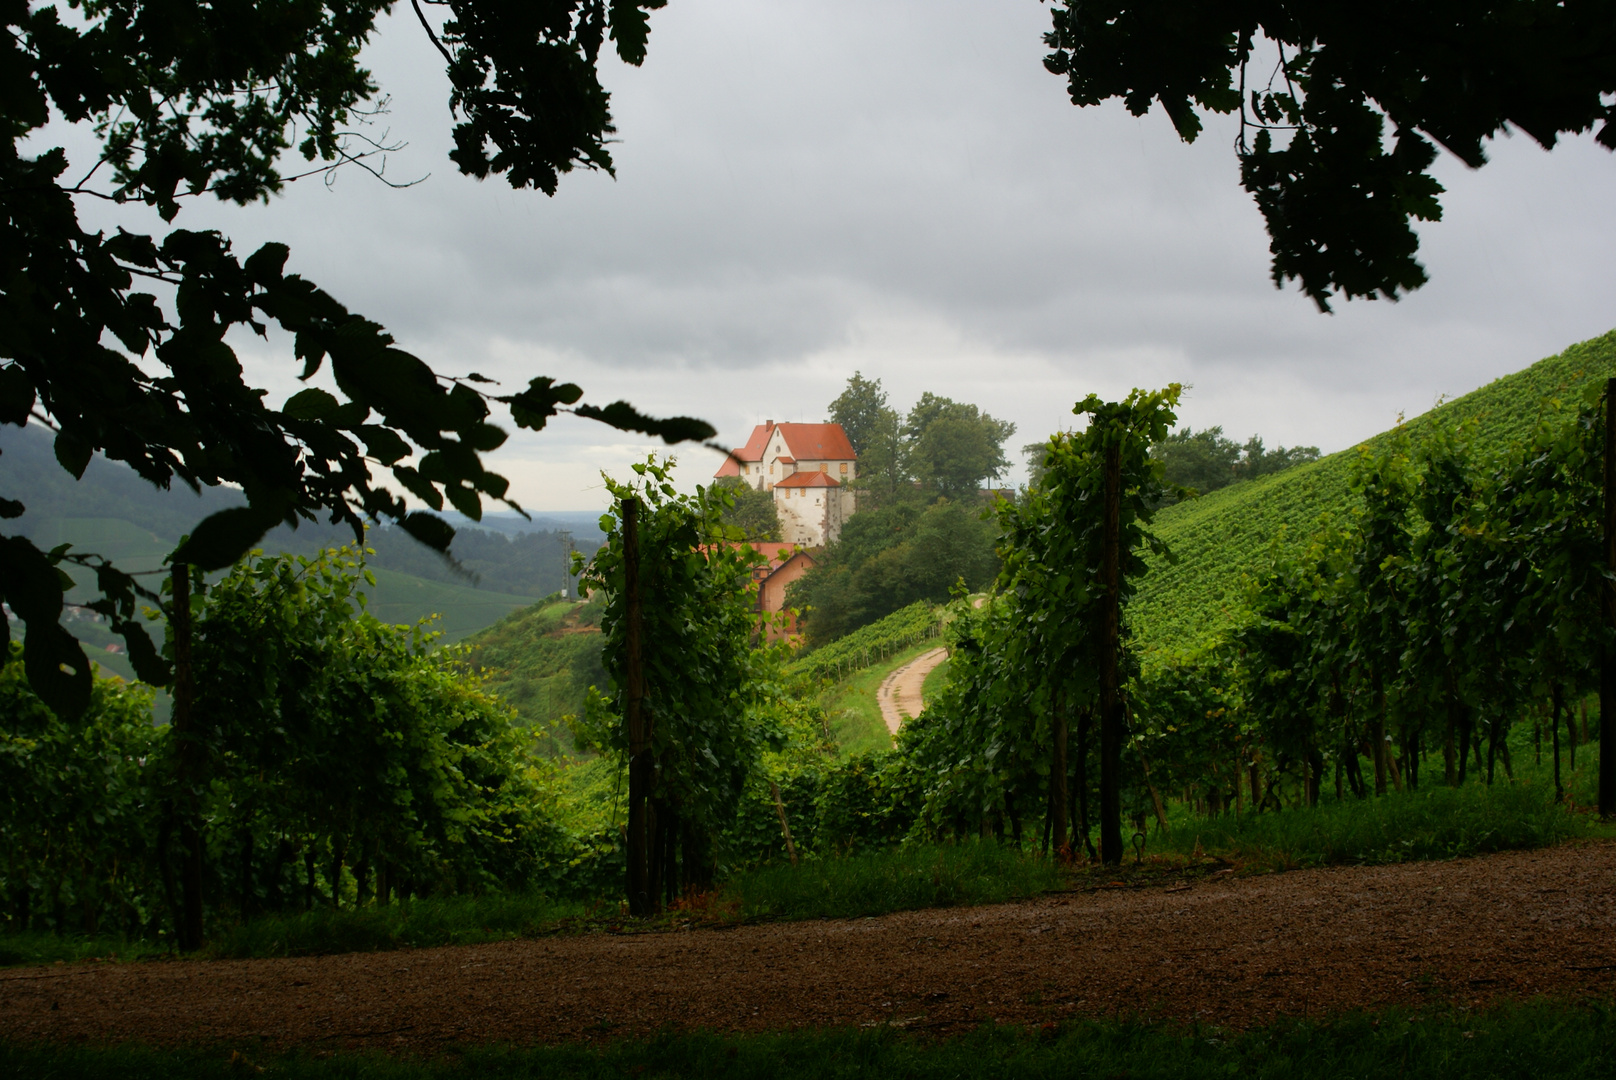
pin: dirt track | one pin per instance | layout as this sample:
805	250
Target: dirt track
900	694
1235	951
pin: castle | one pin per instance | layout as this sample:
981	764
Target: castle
807	467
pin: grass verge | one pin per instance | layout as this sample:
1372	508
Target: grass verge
1566	1040
898	879
456	920
935	680
855	713
1436	822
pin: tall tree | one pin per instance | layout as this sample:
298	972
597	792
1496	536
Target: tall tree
859	408
954	447
753	512
1318	85
875	430
118	342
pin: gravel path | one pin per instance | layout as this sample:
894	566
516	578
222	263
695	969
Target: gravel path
1232	950
900	693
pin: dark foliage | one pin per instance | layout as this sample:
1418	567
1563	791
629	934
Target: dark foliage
190	99
1347	124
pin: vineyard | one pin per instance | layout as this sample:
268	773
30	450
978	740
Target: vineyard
871	644
1387	655
1220	539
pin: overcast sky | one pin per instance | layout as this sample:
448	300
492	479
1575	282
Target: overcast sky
811	187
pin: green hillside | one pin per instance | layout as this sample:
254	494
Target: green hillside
543	659
463	609
1221	537
114	513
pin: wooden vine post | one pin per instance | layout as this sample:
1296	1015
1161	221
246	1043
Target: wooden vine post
639	742
1057	780
1110	643
1607	674
183	728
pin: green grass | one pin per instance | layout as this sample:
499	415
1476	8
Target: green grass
1437	822
18	949
539	662
899	879
462	609
1221	537
457	920
936	679
854	709
1530	1040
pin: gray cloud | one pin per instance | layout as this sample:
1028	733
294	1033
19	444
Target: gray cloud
808	188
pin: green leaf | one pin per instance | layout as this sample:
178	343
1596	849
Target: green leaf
150	667
73	453
16	395
58	671
311	404
418	486
533	407
631	28
430	529
465	500
222	538
268	264
384	444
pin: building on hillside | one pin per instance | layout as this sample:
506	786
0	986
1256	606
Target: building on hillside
786	563
783	564
808	468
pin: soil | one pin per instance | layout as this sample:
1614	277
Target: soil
1223	948
900	693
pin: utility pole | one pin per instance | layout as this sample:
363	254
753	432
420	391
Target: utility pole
566	564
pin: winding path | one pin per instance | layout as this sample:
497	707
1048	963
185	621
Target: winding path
900	693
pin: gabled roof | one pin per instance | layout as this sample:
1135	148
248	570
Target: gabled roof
778	554
813	442
818	442
809	480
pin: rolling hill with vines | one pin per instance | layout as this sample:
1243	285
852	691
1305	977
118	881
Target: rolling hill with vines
1220	539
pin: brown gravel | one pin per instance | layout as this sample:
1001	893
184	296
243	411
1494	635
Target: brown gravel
1231	950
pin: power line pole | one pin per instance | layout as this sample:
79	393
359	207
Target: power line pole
566	564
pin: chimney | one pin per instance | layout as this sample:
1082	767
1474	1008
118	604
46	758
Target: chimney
768	423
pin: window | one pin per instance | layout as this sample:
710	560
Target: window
844	468
824	466
771	468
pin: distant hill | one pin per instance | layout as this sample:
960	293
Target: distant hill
111	511
1221	538
542	660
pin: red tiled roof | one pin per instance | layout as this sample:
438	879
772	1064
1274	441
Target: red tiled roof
786	460
753	450
818	442
814	442
776	553
809	479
